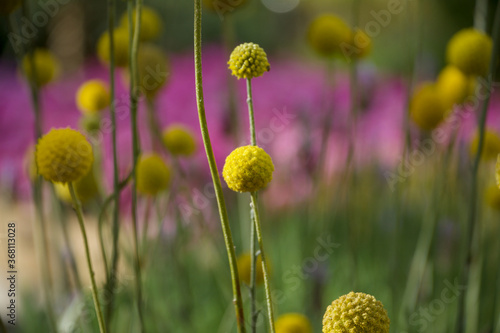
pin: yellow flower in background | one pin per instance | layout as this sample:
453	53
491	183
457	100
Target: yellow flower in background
85	188
248	60
90	123
179	140
491	145
46	67
153	175
63	155
356	313
427	108
153	67
92	96
244	268
8	6
328	34
121	43
492	197
223	6
470	51
150	23
293	323
453	86
248	169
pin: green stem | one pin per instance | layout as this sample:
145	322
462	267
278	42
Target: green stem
253	272
226	229
267	286
250	112
95	296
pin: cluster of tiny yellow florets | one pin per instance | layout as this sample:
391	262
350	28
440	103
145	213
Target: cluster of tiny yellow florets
427	108
248	60
356	313
244	268
179	140
63	155
248	169
46	67
470	51
293	323
92	97
8	6
153	175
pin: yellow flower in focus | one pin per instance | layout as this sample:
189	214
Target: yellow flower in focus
46	67
427	108
244	269
92	97
121	43
248	60
63	155
453	86
153	175
153	67
248	169
329	34
356	313
179	140
8	6
491	145
85	189
470	51
150	23
223	6
293	323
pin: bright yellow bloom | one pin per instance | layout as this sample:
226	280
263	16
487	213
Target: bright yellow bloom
85	189
427	108
248	60
293	323
121	43
491	145
179	140
329	35
150	23
248	169
63	155
8	6
470	51
92	96
153	175
153	67
223	6
453	86
245	269
46	67
356	313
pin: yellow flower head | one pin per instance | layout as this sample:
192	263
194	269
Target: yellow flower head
293	323
356	313
328	34
223	6
8	6
85	189
153	67
491	145
121	43
179	140
453	86
63	155
150	23
248	60
92	97
248	169
244	268
46	67
470	51
153	175
427	108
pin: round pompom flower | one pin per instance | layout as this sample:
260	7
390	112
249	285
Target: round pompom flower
150	23
356	313
223	6
248	60
329	35
244	262
92	97
179	140
453	86
63	155
470	51
153	67
491	145
46	67
427	108
293	323
85	188
153	175
8	6
121	44
248	169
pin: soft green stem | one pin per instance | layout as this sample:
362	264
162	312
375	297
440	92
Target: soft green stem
226	229
95	296
253	272
250	112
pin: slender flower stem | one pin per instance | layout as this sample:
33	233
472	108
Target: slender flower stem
470	256
267	286
95	296
250	112
226	229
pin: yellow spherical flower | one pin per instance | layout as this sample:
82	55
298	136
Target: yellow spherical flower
491	145
223	6
153	67
179	140
248	169
248	60
8	6
85	188
244	269
92	96
63	155
46	67
453	86
427	108
329	34
356	313
150	23
121	50
470	51
153	175
293	323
